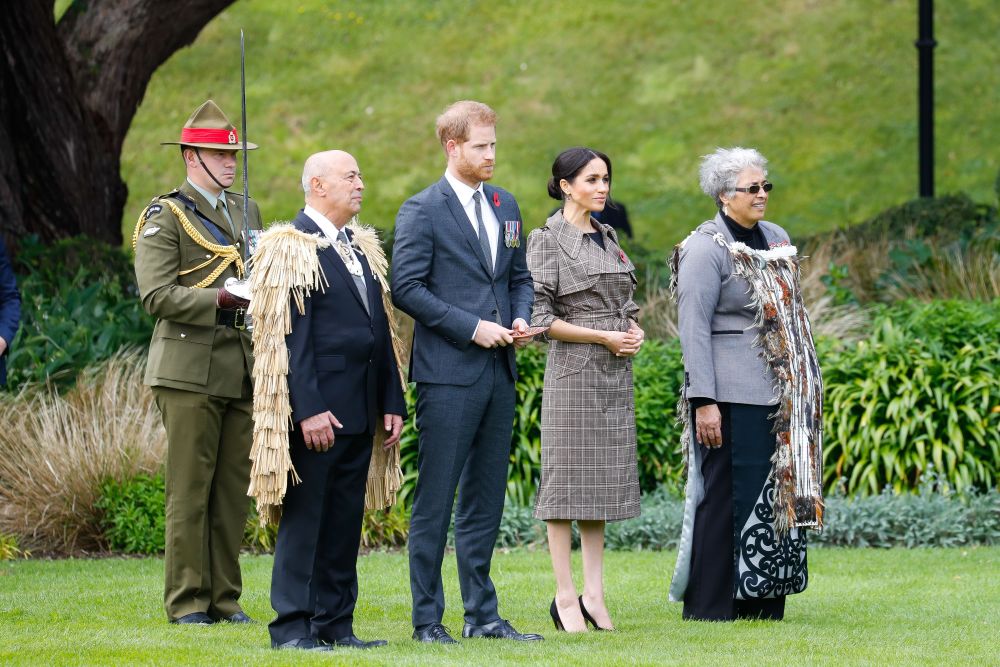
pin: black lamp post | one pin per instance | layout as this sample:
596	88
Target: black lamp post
925	47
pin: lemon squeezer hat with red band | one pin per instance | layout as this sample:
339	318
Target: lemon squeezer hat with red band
208	127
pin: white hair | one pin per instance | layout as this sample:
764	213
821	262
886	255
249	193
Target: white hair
720	170
317	165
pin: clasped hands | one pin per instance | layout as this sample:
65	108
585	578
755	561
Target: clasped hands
624	344
317	431
491	334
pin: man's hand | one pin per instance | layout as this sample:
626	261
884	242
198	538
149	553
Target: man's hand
708	425
317	431
491	334
520	326
394	425
3	346
226	300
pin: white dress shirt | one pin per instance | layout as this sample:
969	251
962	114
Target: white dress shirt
464	193
329	230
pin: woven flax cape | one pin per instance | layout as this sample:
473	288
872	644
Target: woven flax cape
284	270
786	345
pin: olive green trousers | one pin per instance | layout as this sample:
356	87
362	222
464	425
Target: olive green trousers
207	476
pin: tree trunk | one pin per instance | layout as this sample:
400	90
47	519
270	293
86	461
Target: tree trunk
68	93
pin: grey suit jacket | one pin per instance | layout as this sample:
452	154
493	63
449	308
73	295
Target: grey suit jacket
716	321
441	279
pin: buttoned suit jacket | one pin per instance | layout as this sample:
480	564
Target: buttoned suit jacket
340	357
10	308
188	350
716	320
441	279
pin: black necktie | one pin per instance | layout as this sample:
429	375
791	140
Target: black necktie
484	238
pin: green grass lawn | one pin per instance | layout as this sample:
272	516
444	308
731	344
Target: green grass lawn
933	606
827	90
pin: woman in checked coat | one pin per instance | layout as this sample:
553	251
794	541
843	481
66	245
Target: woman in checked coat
584	285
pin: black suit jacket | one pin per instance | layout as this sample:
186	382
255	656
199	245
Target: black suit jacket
340	357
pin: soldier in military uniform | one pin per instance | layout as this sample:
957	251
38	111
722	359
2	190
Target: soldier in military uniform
187	243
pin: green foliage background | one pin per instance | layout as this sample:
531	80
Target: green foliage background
827	90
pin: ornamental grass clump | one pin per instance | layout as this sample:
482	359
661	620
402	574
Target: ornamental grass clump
56	452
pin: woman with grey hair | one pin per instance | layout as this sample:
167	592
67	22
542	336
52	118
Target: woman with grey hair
752	399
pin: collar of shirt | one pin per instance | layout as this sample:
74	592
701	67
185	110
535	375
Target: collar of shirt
490	220
328	228
463	191
209	197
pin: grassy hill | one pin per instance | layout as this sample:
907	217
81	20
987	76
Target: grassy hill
825	88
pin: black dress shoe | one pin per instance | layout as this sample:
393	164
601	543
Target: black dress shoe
238	617
350	641
499	629
433	633
194	618
590	619
302	644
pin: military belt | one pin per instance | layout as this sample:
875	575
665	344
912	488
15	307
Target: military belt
234	319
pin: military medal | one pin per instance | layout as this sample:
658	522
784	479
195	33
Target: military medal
512	233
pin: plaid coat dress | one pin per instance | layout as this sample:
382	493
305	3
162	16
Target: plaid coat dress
589	468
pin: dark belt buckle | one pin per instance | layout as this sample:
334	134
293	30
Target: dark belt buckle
240	319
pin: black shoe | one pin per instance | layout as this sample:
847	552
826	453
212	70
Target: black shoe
499	629
195	618
350	641
590	619
302	644
433	633
554	613
238	617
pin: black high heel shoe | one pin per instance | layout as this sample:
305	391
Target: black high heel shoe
554	613
588	618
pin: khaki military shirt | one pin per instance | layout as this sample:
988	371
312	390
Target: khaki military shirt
189	350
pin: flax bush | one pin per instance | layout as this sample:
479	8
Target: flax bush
922	390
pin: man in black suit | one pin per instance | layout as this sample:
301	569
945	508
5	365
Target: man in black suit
343	383
459	270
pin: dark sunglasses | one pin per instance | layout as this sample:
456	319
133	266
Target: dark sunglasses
754	189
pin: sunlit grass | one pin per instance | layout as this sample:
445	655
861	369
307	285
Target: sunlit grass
927	606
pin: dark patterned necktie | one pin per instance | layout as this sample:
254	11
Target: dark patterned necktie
484	238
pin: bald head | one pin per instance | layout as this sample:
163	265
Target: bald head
332	184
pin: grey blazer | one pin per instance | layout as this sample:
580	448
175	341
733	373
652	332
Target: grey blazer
441	279
715	319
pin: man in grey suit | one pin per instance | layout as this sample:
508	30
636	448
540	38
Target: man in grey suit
459	270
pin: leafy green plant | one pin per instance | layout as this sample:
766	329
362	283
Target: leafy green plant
132	514
80	306
921	390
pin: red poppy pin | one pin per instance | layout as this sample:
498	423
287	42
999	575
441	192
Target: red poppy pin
622	257
496	199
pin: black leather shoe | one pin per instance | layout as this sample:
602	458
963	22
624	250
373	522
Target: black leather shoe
238	617
302	644
350	641
499	629
433	633
195	618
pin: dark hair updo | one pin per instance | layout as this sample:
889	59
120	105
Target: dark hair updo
569	164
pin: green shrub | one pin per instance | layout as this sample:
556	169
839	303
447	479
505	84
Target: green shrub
80	305
132	514
921	390
10	548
